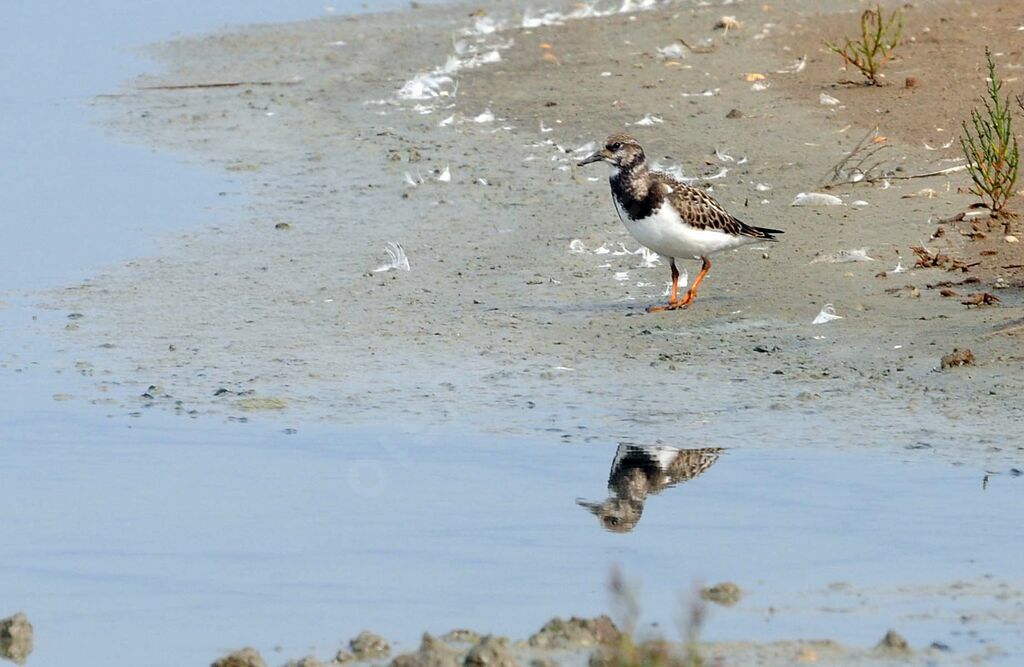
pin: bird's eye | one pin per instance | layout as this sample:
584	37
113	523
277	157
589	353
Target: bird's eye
614	147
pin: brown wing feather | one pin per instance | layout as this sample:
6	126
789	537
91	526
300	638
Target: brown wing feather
700	210
691	463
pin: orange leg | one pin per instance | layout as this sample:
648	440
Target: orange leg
673	301
691	295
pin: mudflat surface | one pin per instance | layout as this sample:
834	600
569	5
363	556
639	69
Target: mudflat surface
498	323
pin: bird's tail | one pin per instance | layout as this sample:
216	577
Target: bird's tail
760	232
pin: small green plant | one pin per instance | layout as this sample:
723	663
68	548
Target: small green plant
879	37
989	145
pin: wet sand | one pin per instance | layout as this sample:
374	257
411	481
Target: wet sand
499	326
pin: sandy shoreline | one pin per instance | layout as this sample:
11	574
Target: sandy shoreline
499	325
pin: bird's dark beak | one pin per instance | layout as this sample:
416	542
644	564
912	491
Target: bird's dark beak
593	508
596	157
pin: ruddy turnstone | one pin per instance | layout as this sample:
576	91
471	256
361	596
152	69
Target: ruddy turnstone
675	220
642	470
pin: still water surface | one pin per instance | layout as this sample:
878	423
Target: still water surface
125	535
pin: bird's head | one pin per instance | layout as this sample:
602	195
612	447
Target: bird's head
617	515
619	150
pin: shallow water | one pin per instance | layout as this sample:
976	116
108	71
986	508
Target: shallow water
73	199
161	540
124	535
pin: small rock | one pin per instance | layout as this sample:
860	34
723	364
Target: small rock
246	657
893	641
367	645
491	651
734	114
910	82
726	594
461	635
557	633
1010	238
282	225
15	638
343	656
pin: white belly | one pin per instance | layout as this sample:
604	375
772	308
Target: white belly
665	233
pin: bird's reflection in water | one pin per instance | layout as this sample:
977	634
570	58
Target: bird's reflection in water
642	470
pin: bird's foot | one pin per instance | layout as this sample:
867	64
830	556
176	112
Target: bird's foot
669	306
674	305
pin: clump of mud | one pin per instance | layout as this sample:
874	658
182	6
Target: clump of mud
16	638
368	645
491	651
461	636
246	657
726	594
557	633
957	358
893	642
432	653
308	661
